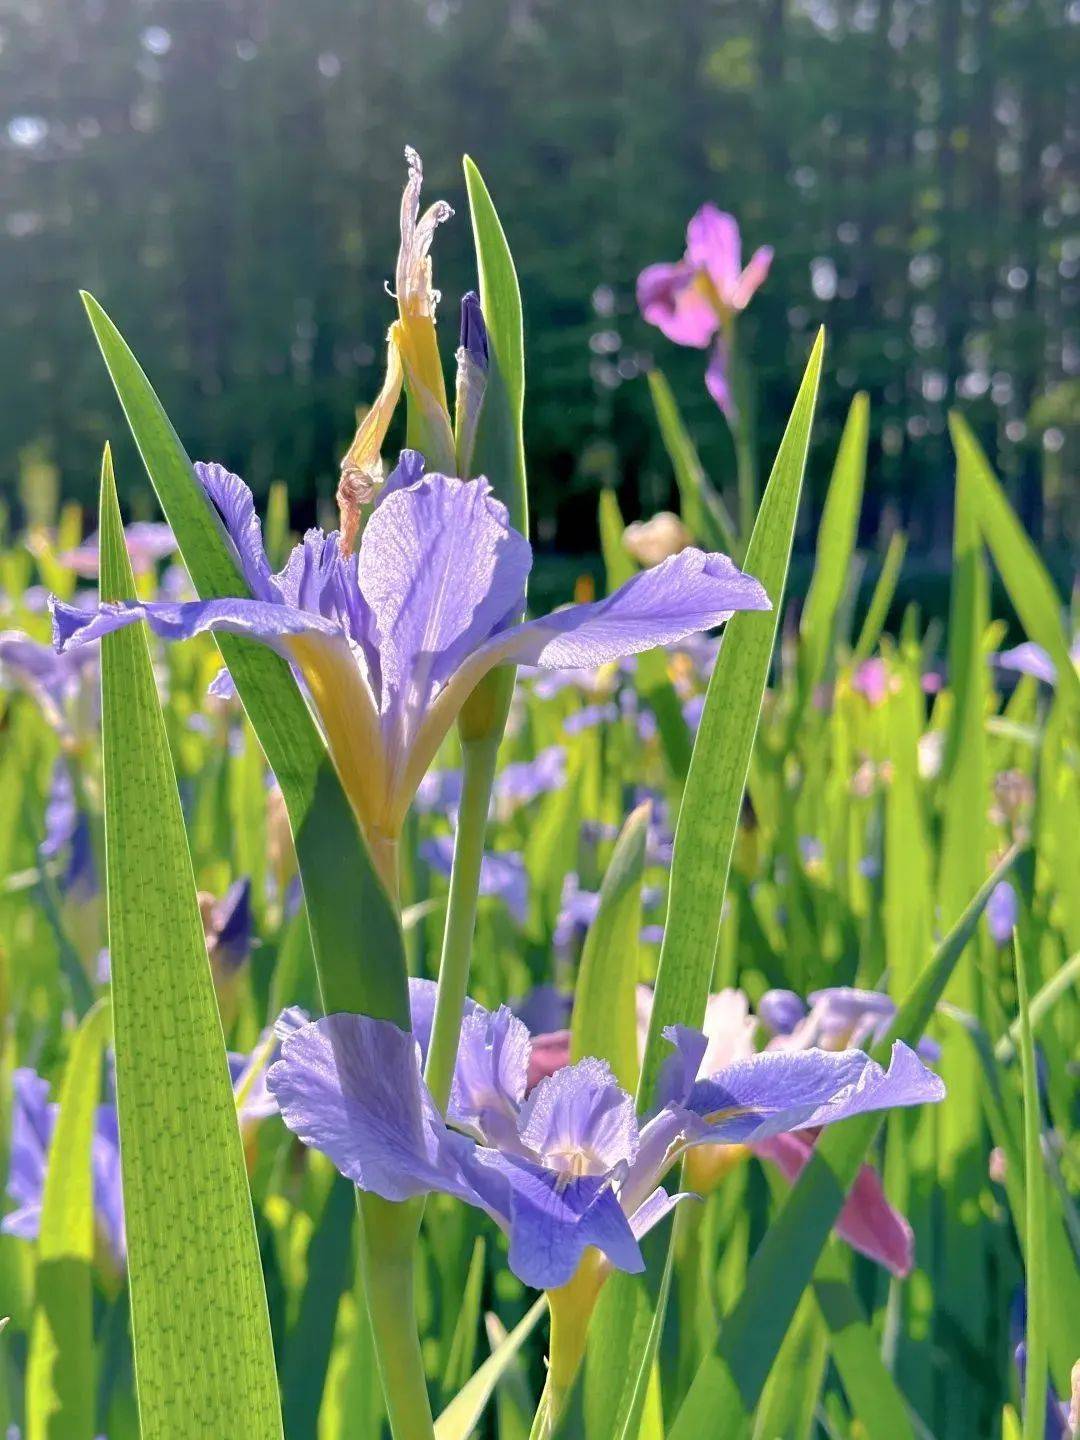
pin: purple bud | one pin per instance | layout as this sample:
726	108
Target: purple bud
780	1011
1002	911
474	336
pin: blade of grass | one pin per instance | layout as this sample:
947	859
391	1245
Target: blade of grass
1037	1273
703	511
871	1391
729	1381
203	1353
881	600
1026	578
709	815
462	1415
355	933
500	444
835	545
60	1367
604	1020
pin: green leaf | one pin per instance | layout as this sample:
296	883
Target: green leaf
462	1355
1030	587
500	446
962	1296
835	546
881	600
203	1354
60	1367
790	1397
619	565
703	511
462	1415
310	1341
871	1390
714	789
729	1380
355	932
1040	1314
604	1021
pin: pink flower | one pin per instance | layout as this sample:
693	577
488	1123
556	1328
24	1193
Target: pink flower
868	1223
694	300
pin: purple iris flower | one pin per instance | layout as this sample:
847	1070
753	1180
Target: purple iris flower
1032	659
694	300
34	1120
569	1165
524	780
32	1124
392	640
62	686
67	837
516	784
1002	912
147	543
838	1018
589	717
229	926
502	873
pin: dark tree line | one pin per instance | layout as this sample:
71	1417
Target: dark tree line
224	175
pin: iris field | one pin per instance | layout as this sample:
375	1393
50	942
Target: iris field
424	1017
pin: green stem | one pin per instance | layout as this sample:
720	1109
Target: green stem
388	1250
478	774
742	431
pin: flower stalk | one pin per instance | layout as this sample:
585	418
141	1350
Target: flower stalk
388	1257
478	775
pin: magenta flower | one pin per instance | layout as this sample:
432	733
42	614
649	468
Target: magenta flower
694	300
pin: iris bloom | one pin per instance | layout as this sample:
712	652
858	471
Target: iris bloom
516	784
393	639
695	300
503	875
568	1166
147	543
67	839
1032	659
34	1120
64	687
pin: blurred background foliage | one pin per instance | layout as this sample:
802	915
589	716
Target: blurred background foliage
224	175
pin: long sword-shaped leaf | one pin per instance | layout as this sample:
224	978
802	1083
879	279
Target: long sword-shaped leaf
836	542
1036	1266
461	1416
500	445
604	1022
881	599
729	1381
60	1368
714	788
204	1359
349	911
1030	587
703	511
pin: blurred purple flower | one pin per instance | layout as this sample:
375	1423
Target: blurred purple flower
1031	659
34	1120
694	300
147	543
502	873
569	1166
392	640
67	837
1002	912
63	687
